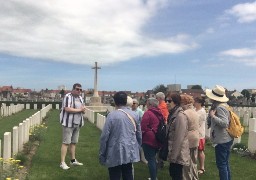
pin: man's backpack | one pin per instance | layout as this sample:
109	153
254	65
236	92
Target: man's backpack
235	128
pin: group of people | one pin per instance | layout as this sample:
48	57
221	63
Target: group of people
129	133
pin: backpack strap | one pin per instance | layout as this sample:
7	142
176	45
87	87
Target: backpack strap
130	117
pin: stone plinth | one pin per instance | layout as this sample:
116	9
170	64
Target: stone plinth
95	101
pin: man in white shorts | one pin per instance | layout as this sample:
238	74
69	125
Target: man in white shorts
71	119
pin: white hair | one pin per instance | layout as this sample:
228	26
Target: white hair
160	95
153	102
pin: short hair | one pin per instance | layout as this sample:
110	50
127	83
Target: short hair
76	85
120	98
175	98
129	101
160	95
153	102
186	99
200	100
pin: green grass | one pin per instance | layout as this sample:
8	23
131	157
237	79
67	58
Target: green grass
45	164
7	123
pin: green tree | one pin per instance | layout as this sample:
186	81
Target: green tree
160	88
196	87
246	93
253	97
62	92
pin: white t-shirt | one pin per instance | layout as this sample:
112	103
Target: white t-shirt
202	120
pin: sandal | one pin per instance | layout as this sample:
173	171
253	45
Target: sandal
201	171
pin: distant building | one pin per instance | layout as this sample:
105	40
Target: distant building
174	87
193	92
6	92
19	92
251	91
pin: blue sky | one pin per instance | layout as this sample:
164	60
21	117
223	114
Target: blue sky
138	44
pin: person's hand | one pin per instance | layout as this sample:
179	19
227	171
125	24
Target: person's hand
212	113
82	109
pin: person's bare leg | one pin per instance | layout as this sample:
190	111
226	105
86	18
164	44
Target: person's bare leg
201	157
64	149
73	151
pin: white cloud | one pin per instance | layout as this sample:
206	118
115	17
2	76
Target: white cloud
244	52
245	12
246	56
210	30
246	61
83	31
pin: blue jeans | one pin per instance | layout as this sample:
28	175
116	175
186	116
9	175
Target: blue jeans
222	152
150	155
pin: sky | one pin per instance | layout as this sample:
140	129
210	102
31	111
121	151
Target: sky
139	44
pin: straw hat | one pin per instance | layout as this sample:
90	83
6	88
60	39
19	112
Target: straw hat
129	101
217	94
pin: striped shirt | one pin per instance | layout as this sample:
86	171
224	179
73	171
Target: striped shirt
71	119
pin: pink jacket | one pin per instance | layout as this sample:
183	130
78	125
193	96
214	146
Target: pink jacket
149	124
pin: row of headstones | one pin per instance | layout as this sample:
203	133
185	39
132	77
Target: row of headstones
249	122
43	105
100	119
245	111
9	110
13	142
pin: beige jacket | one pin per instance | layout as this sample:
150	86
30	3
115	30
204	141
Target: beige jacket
178	138
193	125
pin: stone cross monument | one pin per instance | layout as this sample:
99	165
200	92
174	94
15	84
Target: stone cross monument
95	99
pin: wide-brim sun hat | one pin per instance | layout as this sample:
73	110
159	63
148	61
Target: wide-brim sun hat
217	94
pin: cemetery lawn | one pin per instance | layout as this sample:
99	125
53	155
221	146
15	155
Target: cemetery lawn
45	163
8	122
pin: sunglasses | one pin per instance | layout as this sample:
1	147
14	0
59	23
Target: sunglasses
78	89
134	103
168	100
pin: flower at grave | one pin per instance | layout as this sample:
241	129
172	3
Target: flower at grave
20	167
10	159
17	161
8	178
1	159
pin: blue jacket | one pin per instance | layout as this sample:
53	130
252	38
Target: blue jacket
119	143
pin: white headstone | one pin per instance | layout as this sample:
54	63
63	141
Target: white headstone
252	124
246	119
7	145
251	141
20	136
15	140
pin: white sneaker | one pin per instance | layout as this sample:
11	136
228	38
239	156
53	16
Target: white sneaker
76	163
64	166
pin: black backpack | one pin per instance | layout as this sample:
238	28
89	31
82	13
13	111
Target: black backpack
161	131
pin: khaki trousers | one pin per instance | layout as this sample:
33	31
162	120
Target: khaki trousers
190	172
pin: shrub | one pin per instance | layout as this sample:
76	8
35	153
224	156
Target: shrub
9	168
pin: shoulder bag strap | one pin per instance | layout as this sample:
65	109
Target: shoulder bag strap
130	117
